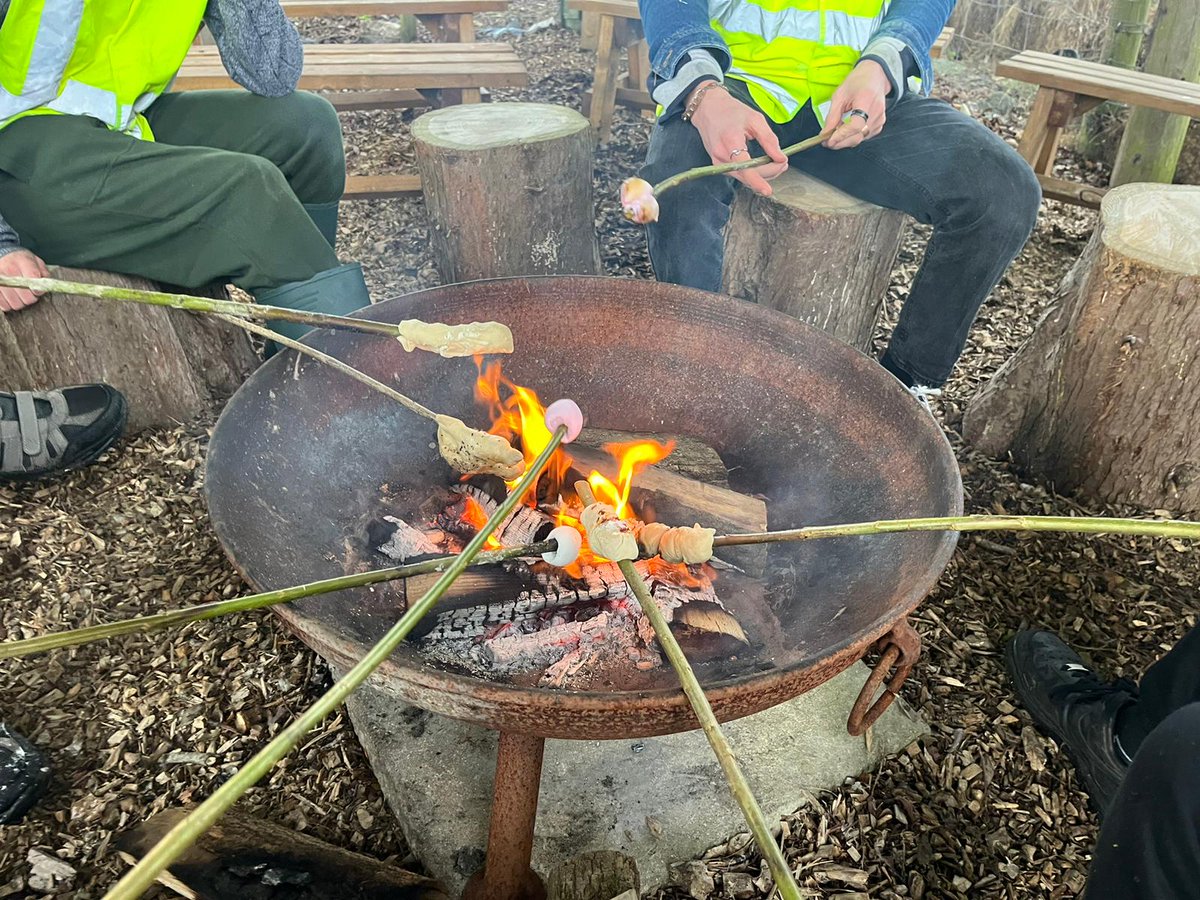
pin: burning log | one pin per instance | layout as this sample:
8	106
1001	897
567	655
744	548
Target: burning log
659	495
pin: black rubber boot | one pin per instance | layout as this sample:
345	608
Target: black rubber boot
1071	704
46	432
339	291
24	775
325	217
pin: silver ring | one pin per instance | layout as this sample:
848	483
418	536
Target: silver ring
857	112
733	153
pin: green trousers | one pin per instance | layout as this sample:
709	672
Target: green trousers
218	197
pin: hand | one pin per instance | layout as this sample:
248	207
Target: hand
864	88
725	125
22	264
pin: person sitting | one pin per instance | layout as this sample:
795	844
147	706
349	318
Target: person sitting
102	167
1136	749
738	78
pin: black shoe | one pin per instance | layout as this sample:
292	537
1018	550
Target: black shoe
45	432
1073	706
23	775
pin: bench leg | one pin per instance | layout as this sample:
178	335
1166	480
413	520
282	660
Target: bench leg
456	28
639	70
1052	110
604	84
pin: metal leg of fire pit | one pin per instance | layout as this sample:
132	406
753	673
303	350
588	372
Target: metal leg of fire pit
506	874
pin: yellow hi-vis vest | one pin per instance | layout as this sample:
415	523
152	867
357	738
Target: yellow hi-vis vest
789	52
104	59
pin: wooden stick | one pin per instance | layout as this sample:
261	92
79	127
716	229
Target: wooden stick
334	363
201	304
1063	524
241	311
182	836
738	785
204	611
725	168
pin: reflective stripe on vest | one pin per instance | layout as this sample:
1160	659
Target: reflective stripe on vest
790	52
99	58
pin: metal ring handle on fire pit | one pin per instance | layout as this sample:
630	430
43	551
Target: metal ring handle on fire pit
901	648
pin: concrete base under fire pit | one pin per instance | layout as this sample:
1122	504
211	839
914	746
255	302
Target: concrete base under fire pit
660	800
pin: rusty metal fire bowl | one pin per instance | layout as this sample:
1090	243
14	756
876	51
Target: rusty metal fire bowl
298	462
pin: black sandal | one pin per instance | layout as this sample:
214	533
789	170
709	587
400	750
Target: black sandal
46	432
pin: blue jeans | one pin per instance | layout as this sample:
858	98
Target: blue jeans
932	162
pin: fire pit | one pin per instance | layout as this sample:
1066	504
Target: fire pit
301	465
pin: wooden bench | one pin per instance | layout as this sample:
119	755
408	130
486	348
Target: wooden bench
374	74
614	25
1068	88
446	20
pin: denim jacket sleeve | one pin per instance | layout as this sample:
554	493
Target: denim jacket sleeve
916	24
675	28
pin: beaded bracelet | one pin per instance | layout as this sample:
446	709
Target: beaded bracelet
698	96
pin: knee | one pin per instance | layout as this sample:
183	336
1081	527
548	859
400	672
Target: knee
1001	190
1165	764
311	124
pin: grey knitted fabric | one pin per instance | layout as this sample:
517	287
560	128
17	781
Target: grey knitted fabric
259	46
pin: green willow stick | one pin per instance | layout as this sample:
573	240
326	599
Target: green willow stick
334	363
201	304
1063	524
182	836
203	611
738	785
725	168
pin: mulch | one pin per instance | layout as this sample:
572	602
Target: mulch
983	807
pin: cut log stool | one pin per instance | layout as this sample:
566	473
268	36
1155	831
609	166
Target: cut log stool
1102	398
171	365
508	187
813	252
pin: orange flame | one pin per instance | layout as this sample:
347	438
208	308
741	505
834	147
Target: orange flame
522	415
516	412
476	516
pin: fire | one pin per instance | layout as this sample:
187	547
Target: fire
522	415
517	415
632	457
476	516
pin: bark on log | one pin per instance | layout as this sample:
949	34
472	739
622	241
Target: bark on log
171	365
229	860
508	187
1102	398
813	252
600	875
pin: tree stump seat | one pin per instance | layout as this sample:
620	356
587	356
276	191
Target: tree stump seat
1102	398
171	365
508	189
813	252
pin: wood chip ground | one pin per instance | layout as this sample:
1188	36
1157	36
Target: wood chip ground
983	808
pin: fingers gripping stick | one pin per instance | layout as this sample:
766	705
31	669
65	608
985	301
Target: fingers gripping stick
566	414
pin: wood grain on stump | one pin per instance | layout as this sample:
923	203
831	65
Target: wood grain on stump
508	187
171	365
813	252
1102	398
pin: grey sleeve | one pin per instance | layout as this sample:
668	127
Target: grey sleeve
259	45
8	238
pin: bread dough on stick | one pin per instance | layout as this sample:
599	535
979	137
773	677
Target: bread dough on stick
687	545
470	339
471	451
